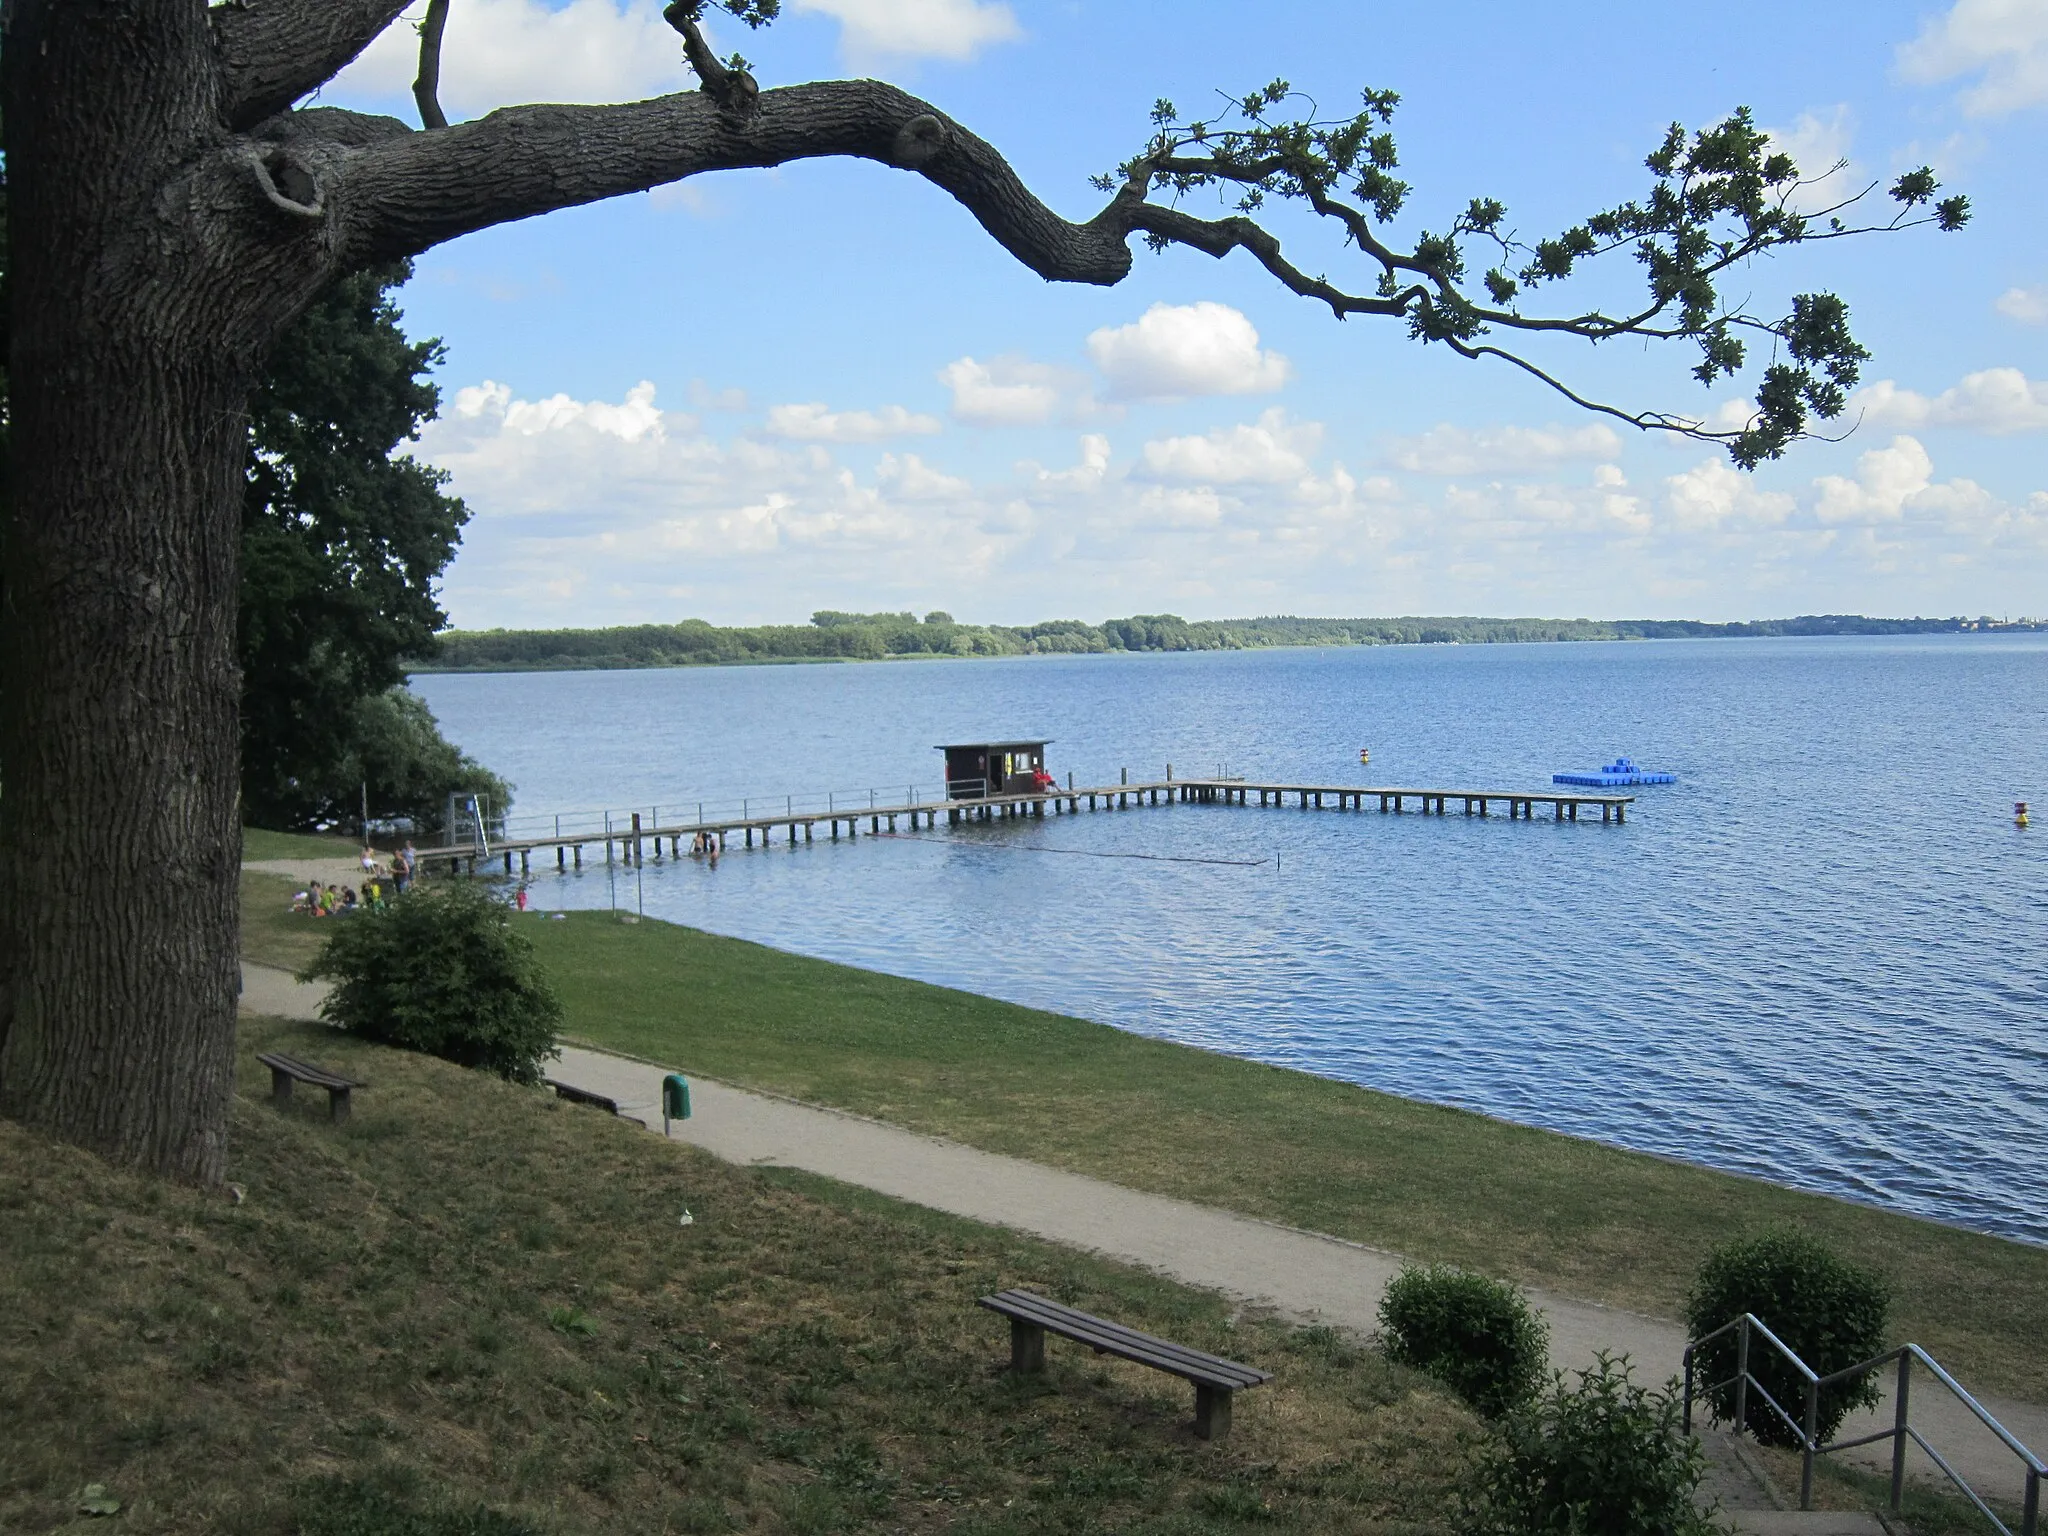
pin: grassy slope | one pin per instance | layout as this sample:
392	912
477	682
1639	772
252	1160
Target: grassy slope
1584	1219
471	1293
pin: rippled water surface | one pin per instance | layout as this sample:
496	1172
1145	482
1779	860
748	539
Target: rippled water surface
1818	957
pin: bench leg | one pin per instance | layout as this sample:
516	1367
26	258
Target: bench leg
1212	1412
337	1105
1027	1347
280	1087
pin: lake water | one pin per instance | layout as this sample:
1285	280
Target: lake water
1819	957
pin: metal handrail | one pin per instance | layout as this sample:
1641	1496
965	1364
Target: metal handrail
1901	1431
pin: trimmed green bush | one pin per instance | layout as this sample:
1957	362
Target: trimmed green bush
1830	1312
441	971
1603	1458
1479	1337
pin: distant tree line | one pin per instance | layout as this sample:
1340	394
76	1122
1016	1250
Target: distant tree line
835	636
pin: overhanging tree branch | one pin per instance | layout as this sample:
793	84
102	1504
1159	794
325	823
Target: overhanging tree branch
272	52
1721	199
402	196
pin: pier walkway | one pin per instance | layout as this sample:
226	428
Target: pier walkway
630	839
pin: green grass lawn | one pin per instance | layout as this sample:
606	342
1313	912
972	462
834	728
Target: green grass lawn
474	1295
271	931
1440	1184
1548	1210
259	844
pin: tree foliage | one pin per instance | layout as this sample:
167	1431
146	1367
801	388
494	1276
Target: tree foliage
1719	199
343	537
394	747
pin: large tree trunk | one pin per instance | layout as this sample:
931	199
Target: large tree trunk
119	835
118	735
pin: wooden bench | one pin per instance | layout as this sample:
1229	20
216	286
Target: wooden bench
577	1095
1032	1317
284	1070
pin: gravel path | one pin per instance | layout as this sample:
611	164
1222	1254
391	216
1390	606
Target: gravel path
1302	1275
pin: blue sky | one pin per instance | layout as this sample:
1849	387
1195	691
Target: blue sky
757	394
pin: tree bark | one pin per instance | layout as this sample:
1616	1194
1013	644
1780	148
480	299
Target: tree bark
121	827
141	307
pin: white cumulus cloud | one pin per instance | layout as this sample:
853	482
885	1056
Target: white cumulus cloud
615	511
1449	449
1173	351
2029	306
814	423
632	419
955	30
1999	402
1715	495
2003	44
1819	144
910	477
1888	481
1013	392
1270	450
498	53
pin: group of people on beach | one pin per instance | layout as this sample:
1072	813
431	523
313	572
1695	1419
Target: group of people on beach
381	883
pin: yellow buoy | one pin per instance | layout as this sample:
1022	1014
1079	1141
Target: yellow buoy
1365	754
2019	813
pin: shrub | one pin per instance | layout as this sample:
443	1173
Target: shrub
441	971
1479	1337
1603	1458
1829	1312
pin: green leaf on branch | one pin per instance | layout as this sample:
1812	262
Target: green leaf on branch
1721	198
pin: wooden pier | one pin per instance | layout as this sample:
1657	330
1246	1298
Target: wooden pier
1521	804
633	841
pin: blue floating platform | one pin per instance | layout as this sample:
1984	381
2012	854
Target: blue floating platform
1614	775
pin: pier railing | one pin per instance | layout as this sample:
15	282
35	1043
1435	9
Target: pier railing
1749	1330
596	825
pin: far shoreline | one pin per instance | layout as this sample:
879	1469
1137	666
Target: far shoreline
1512	632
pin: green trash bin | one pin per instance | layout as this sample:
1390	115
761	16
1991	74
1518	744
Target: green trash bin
675	1099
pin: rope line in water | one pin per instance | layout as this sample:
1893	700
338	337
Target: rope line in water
1080	853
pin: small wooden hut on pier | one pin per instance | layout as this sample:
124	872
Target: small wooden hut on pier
977	770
